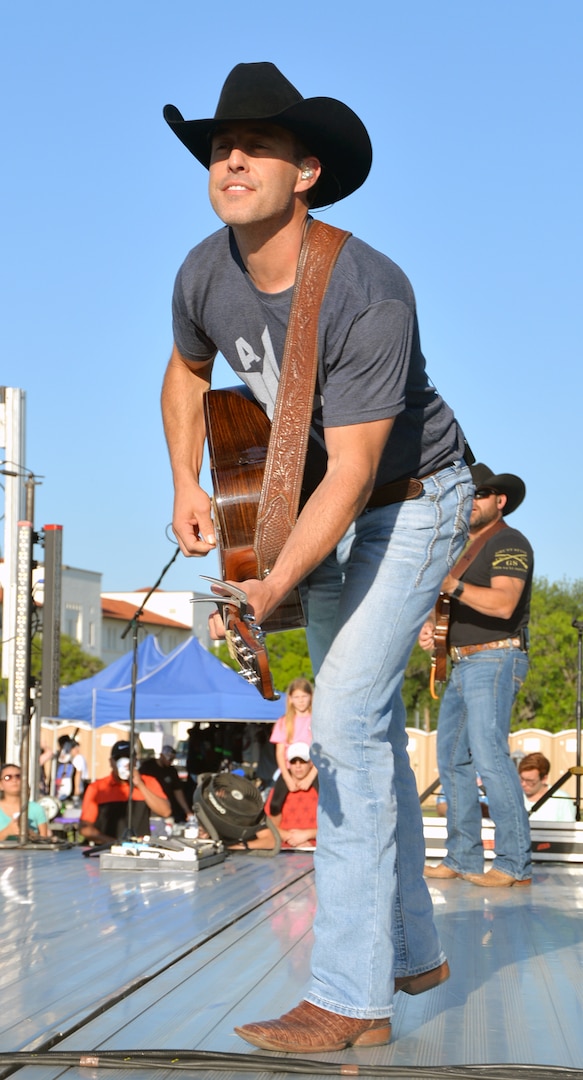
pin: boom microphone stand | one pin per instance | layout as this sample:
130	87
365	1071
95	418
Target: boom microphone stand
134	626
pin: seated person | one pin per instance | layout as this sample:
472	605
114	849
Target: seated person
533	771
163	769
296	820
10	791
104	813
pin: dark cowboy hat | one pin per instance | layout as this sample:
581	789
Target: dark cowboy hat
505	484
328	129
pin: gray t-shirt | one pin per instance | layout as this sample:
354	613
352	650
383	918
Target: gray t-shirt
370	362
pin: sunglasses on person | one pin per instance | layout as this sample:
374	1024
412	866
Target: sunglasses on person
11	776
485	493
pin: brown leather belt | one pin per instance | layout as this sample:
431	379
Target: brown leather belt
400	490
394	492
457	652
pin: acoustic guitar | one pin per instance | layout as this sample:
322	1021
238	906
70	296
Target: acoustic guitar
238	433
440	649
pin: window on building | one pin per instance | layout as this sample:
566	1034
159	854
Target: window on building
74	622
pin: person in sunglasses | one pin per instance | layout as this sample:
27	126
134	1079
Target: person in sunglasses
10	787
488	645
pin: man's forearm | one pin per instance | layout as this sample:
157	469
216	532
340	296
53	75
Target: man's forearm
183	414
498	601
158	804
183	392
91	832
354	453
335	504
181	800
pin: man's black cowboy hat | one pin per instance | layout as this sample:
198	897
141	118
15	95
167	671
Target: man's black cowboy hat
505	484
329	130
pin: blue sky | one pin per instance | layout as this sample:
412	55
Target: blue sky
474	112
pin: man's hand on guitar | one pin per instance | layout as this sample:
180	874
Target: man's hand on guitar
426	637
260	603
235	620
192	522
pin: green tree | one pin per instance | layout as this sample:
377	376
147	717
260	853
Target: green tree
75	664
288	657
422	709
548	698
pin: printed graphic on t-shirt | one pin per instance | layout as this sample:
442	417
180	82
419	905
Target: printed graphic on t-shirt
260	373
510	559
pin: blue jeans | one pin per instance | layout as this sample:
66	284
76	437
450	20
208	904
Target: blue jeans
365	606
472	735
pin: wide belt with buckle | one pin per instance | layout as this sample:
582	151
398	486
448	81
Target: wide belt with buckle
400	490
457	652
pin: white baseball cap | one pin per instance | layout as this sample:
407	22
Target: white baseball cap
298	749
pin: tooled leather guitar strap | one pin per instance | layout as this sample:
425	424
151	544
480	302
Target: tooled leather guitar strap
288	441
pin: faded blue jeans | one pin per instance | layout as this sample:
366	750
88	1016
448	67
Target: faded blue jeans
365	606
472	736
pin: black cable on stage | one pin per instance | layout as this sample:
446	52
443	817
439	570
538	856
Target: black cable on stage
257	1063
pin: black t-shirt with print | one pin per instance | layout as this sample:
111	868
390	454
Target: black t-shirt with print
509	554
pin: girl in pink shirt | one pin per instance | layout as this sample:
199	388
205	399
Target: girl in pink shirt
295	726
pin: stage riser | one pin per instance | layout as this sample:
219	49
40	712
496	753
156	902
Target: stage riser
551	842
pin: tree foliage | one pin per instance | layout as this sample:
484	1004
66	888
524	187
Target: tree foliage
75	664
547	699
288	657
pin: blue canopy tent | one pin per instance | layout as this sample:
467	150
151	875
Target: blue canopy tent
188	684
76	702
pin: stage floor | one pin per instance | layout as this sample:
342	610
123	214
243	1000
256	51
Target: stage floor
96	960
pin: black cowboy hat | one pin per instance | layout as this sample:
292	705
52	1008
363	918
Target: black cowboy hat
505	484
329	130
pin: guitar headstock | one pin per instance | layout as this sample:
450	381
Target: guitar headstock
245	638
246	644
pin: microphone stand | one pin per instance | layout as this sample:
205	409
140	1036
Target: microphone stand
134	626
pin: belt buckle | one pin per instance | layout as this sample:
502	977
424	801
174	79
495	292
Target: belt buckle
455	653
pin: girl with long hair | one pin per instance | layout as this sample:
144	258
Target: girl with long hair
293	727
